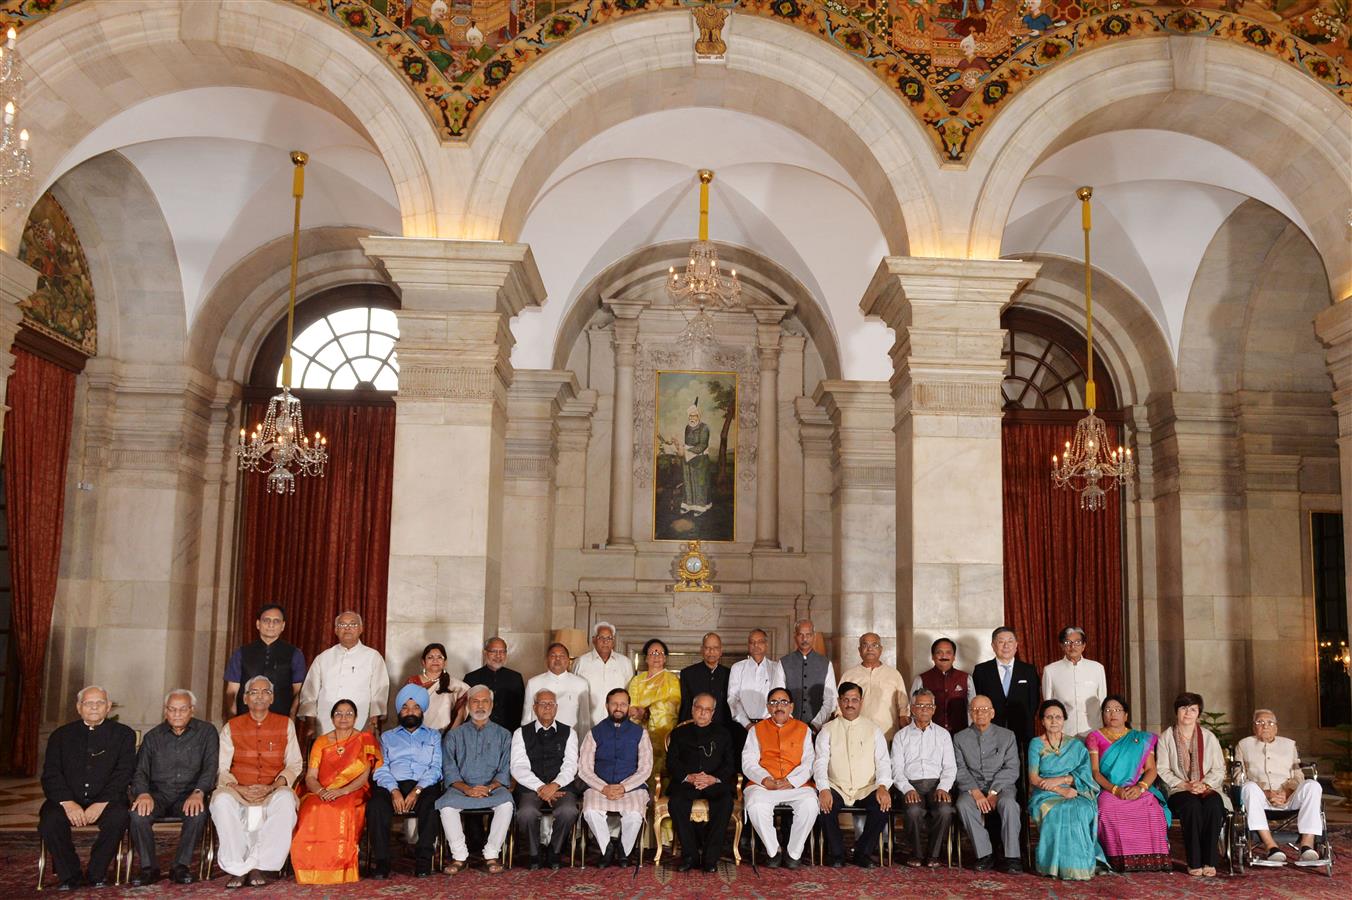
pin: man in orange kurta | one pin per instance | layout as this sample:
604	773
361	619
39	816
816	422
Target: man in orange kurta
777	761
254	807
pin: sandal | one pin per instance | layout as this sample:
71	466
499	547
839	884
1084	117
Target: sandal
1209	871
1197	873
455	866
932	863
494	867
235	882
914	863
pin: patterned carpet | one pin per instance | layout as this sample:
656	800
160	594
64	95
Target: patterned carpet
18	853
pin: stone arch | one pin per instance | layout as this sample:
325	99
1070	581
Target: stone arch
137	286
645	64
1248	102
94	60
245	304
643	274
1127	338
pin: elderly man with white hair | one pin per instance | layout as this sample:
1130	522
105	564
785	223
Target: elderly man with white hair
476	772
85	774
349	670
604	669
254	807
175	774
1274	780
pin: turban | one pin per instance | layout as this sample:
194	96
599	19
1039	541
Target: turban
415	692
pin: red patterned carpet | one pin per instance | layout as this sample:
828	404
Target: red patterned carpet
18	871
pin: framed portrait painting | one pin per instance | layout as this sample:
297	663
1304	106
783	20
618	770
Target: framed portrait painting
695	450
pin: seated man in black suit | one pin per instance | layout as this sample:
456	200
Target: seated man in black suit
85	776
702	763
1012	685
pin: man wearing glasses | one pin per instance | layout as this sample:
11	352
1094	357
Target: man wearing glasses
281	663
1274	780
507	685
603	669
923	772
349	670
777	761
1079	683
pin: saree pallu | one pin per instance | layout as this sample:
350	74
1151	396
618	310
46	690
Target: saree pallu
328	834
1134	833
1067	844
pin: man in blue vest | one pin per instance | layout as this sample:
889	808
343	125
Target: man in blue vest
268	655
615	761
810	678
544	764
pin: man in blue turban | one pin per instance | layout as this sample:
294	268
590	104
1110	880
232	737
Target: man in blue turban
409	781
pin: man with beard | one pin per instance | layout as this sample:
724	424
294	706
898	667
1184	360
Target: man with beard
615	762
476	772
544	764
701	760
409	780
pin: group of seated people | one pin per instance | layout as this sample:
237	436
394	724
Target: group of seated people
601	740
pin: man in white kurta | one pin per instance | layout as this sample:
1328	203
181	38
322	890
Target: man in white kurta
571	692
777	762
603	668
1079	683
886	700
1274	780
349	670
752	679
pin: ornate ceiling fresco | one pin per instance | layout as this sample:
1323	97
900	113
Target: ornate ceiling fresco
956	63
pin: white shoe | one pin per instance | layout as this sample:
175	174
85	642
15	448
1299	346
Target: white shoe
1310	857
1274	857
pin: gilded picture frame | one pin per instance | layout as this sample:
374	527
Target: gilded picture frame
695	456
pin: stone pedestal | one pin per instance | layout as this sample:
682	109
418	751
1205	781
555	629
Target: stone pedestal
946	390
863	513
450	438
17	282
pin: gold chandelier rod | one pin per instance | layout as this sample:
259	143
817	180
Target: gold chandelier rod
1090	400
298	159
705	176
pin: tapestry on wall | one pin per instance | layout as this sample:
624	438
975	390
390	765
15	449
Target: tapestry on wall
62	307
695	466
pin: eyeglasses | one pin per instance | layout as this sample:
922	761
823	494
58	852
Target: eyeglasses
1265	723
1072	643
871	646
257	692
496	651
343	714
605	638
272	621
922	706
348	625
778	702
983	709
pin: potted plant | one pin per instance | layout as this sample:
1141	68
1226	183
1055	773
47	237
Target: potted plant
1216	723
1341	758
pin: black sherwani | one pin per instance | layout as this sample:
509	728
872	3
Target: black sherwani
710	750
86	765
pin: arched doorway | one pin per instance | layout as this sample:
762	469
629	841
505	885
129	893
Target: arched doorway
1063	565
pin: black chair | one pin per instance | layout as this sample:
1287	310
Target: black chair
884	839
206	847
400	819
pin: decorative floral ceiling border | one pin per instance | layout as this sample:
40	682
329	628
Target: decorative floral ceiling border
956	63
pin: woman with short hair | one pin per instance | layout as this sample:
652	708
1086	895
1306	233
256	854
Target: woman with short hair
1192	766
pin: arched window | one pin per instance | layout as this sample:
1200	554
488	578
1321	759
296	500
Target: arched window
1044	369
348	349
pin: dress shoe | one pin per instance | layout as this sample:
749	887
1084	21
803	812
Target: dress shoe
984	863
865	862
1013	865
181	875
382	871
99	883
835	862
70	884
791	862
534	864
775	861
711	868
632	860
608	855
144	877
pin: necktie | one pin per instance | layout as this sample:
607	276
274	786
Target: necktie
1004	678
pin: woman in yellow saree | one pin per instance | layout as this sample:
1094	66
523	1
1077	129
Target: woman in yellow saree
654	698
333	812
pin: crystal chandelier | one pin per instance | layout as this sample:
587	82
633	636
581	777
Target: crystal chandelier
280	446
702	285
1089	465
16	165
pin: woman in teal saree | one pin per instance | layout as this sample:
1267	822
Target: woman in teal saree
1061	800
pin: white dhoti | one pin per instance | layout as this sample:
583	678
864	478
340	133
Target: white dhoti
760	804
497	830
253	837
1307	798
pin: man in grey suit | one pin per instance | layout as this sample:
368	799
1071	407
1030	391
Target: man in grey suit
988	771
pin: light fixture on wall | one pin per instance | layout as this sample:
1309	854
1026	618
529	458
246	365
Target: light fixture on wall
280	446
16	165
703	286
1090	466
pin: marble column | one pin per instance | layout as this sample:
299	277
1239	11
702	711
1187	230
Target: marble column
625	344
17	283
767	431
863	513
946	390
458	298
1334	327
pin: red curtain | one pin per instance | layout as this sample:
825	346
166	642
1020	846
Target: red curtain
325	548
1063	565
41	399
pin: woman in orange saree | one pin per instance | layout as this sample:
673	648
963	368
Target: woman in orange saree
333	812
